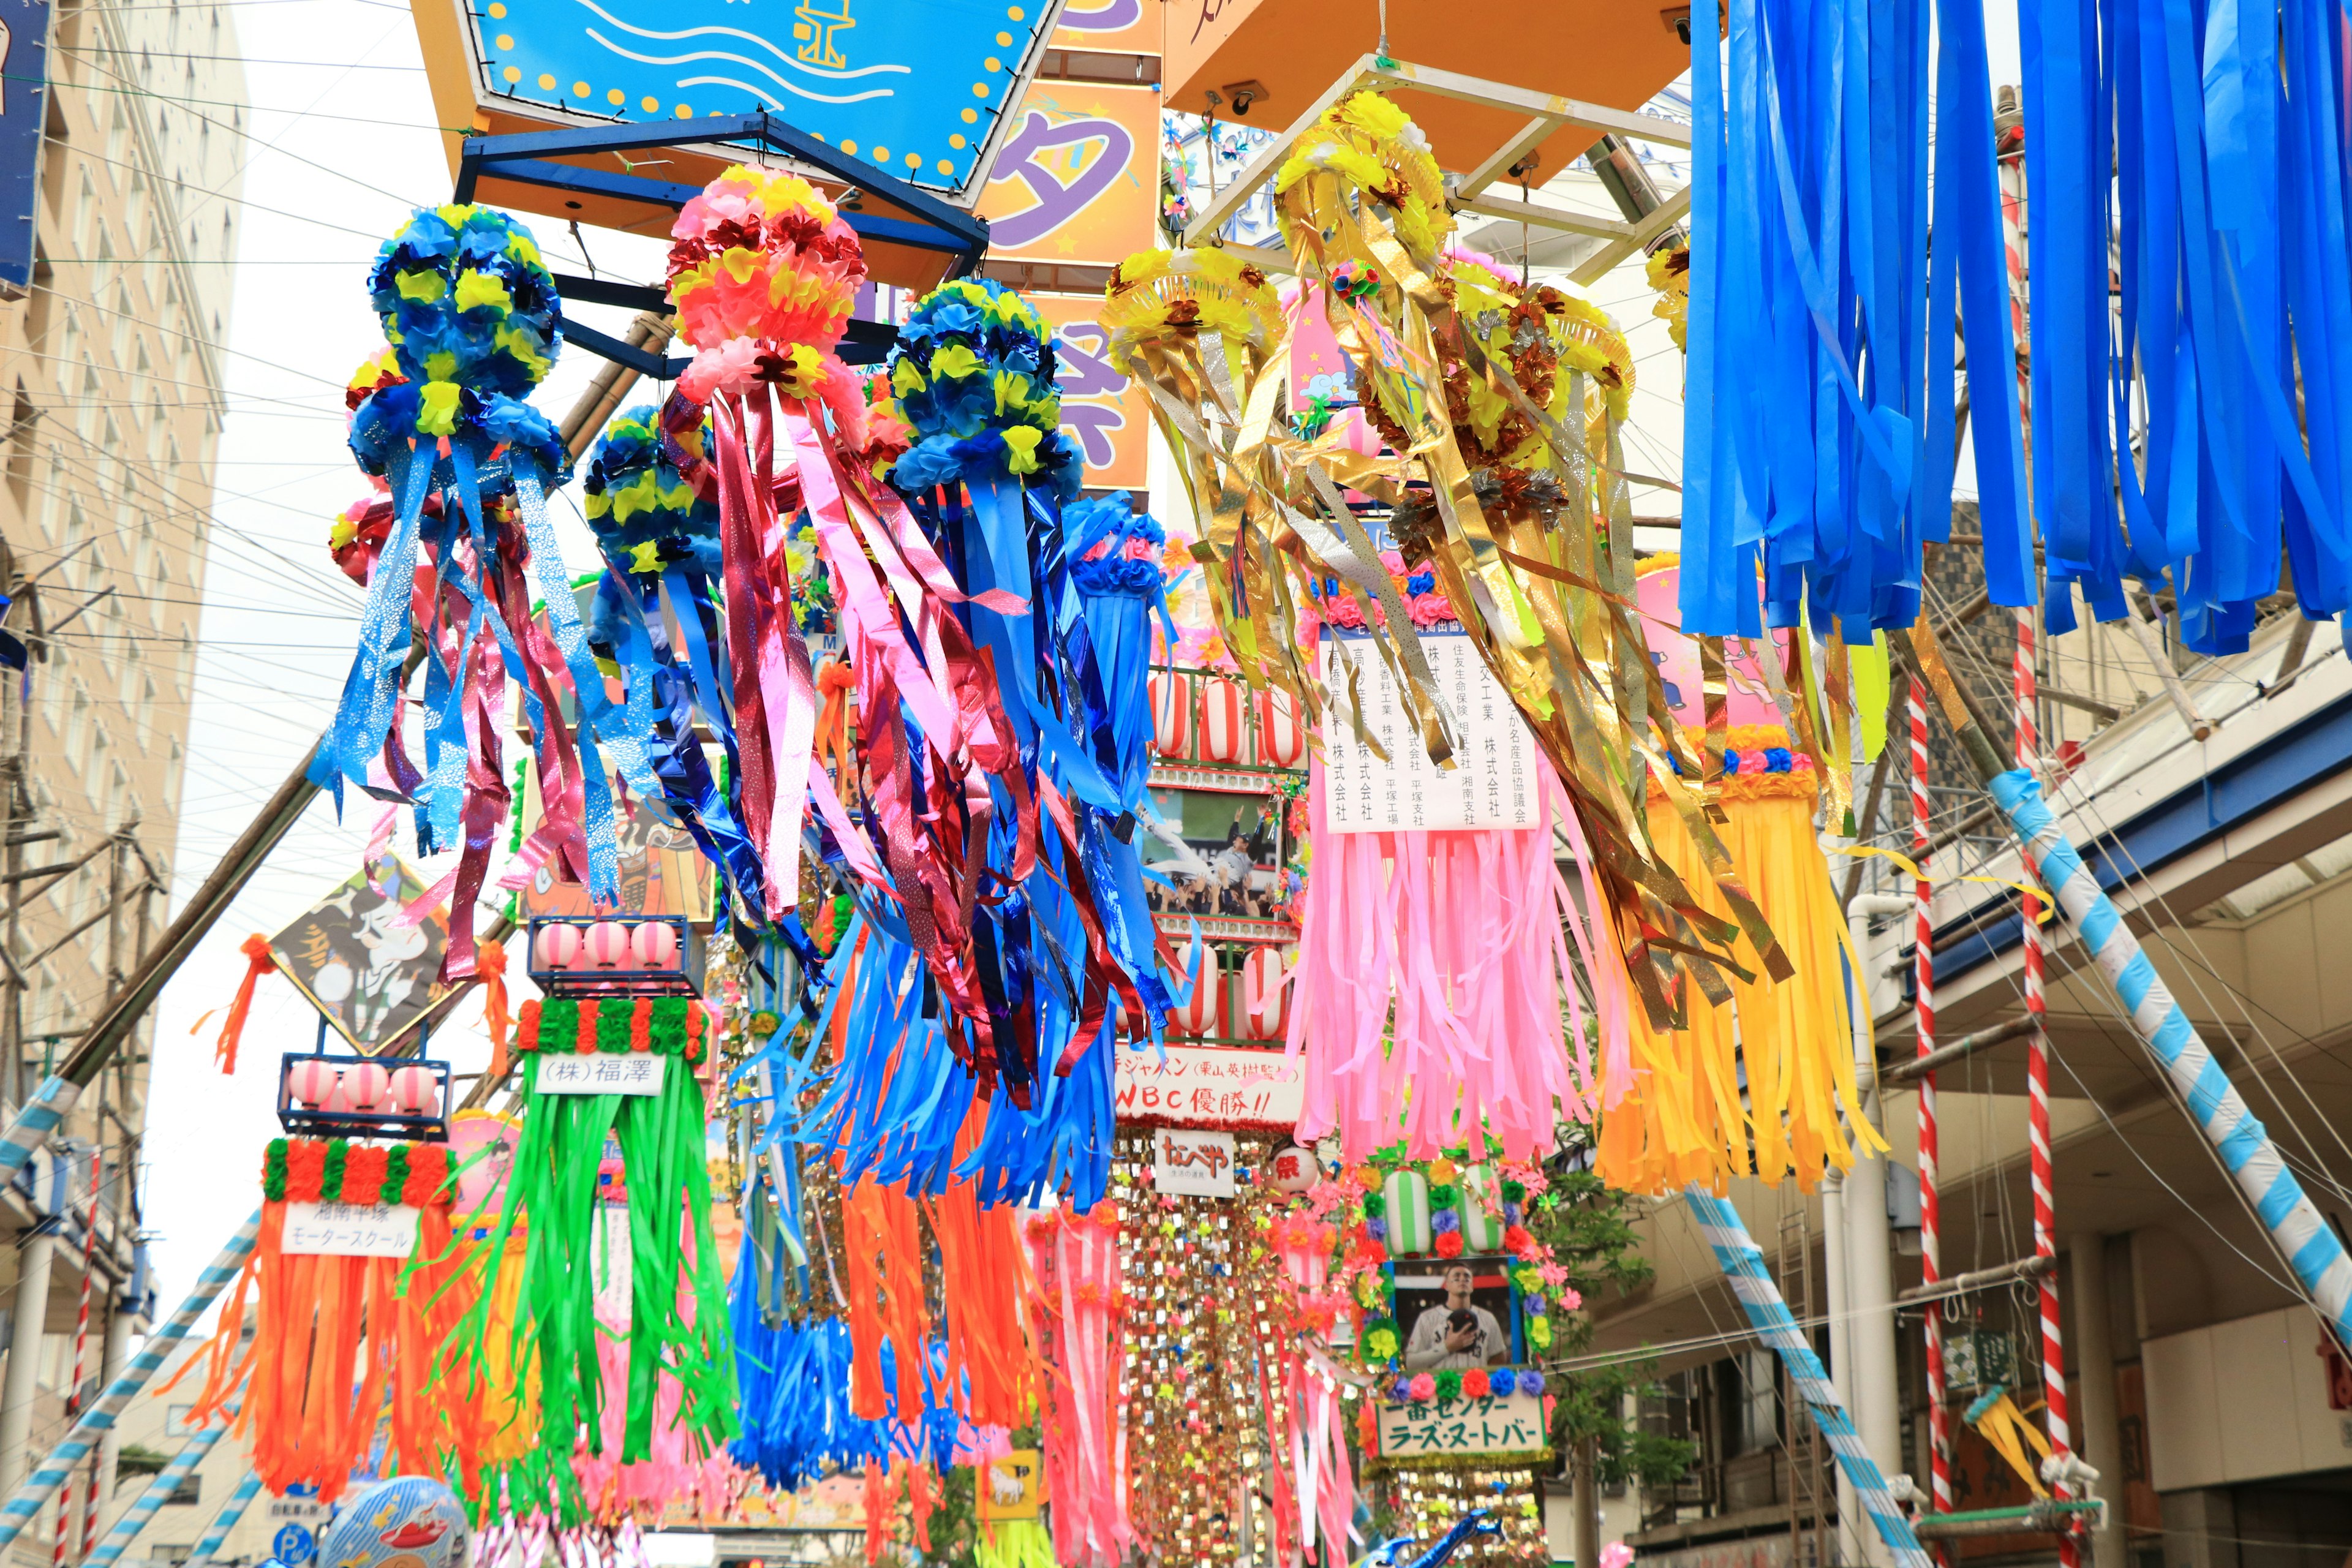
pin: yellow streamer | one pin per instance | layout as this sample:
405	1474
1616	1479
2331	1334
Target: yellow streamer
1911	868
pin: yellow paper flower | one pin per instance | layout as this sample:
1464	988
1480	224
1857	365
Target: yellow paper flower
426	286
954	363
1021	449
479	289
437	408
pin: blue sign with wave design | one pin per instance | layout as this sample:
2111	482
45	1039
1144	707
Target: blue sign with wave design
916	87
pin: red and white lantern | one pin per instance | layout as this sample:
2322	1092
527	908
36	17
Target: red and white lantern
1171	713
559	946
1225	734
365	1086
607	944
1281	737
416	1091
1203	1011
311	1082
656	945
1266	995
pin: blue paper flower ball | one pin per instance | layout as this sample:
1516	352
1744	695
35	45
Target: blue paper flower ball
1530	1381
1501	1381
973	374
465	303
1113	549
1378	1229
645	512
1445	1222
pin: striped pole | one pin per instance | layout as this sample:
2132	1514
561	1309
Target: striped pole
159	1492
80	1371
25	1505
238	1502
2303	1238
1743	1265
1931	1235
2037	1089
40	1115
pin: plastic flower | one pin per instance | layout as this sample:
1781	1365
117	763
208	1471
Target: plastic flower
1401	1390
1501	1381
1539	1333
1449	1385
1518	1242
1473	1382
1445	1222
1381	1339
1570	1300
1423	1386
1531	1381
1449	1244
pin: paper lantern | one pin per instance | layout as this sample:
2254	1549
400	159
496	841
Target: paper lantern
1295	1169
1202	1012
1224	737
1482	1227
416	1091
312	1082
367	1085
1265	1000
1281	738
559	946
656	945
1171	713
607	944
1407	1193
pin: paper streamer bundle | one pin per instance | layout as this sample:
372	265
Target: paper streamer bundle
1503	403
1075	1322
342	1340
1763	1083
471	315
675	1289
657	614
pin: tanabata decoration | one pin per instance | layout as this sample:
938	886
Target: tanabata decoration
1763	1085
1502	405
471	315
1075	1321
344	1339
670	1278
651	504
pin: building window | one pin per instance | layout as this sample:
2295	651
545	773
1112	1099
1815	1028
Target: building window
20	446
172	770
146	712
84	206
77	725
118	135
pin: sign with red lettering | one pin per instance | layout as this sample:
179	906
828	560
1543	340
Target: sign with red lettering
1209	1086
1189	1163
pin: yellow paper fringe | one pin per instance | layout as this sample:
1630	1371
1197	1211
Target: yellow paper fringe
1680	1119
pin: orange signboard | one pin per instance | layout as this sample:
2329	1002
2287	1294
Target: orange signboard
1077	179
1104	414
1112	26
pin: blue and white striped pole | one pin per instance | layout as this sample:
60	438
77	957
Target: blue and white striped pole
238	1502
35	1491
159	1492
41	1115
1743	1265
2303	1236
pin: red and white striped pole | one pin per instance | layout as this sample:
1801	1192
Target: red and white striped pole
80	1367
1923	1008
2037	1088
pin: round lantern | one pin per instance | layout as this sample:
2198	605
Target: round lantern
1281	738
1171	713
312	1082
1295	1169
656	945
416	1091
367	1085
1203	1011
1225	736
559	946
606	945
1266	999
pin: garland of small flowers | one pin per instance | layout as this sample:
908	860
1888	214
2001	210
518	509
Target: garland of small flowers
664	1025
336	1171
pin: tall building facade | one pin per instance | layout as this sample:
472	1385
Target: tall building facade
112	374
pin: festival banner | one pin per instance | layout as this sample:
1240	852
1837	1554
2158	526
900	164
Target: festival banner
1112	26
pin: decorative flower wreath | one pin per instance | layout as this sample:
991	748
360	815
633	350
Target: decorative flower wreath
763	274
973	374
1113	549
641	507
1376	146
1160	293
474	321
336	1171
1397	1209
664	1025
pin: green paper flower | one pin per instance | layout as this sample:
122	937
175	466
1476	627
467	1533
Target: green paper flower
1539	1333
1449	1385
1443	1198
1375	1206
